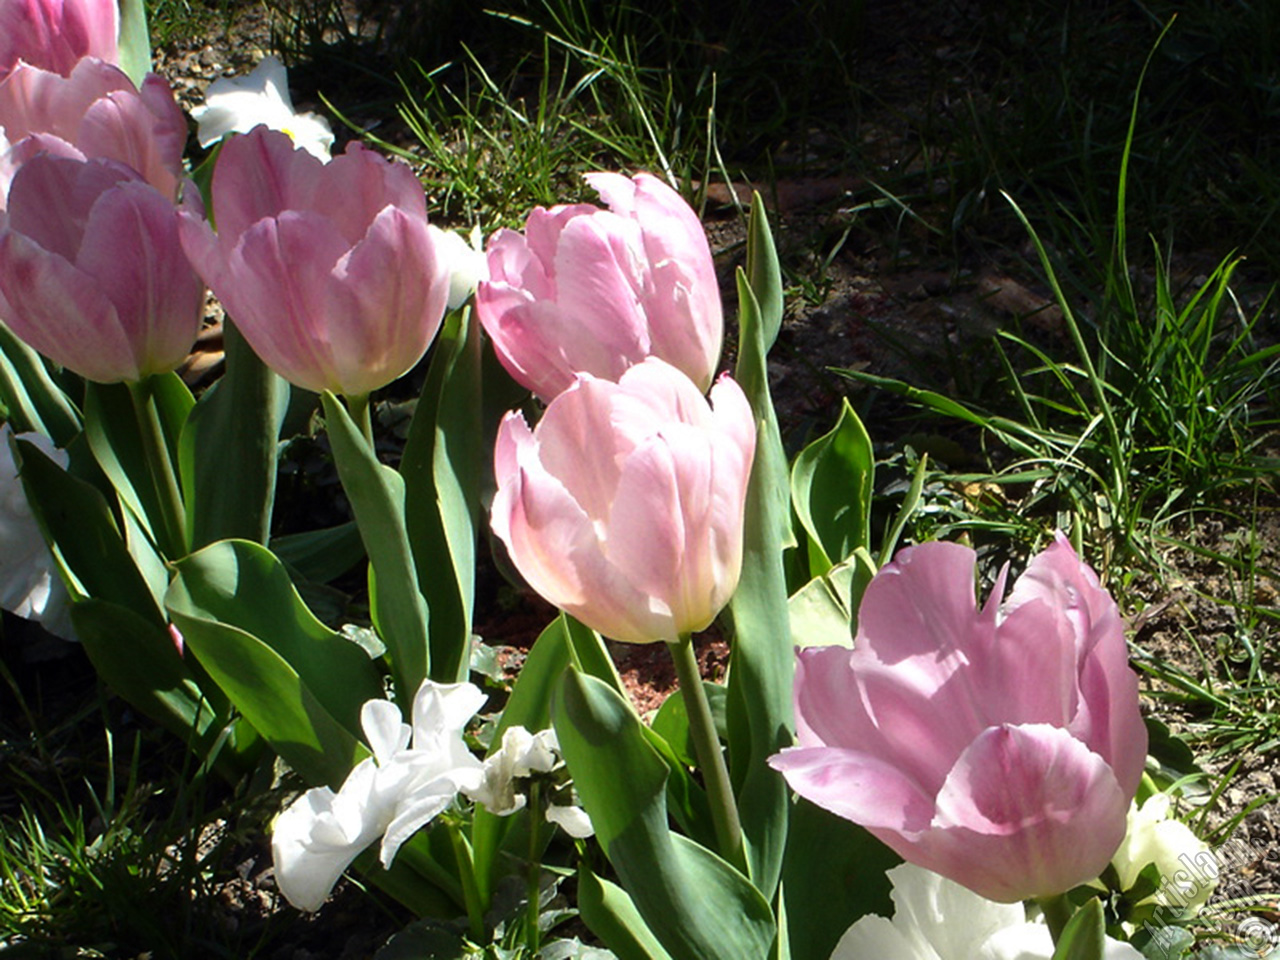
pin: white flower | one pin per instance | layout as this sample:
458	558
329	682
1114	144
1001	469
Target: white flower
467	262
238	104
937	919
413	775
521	755
29	584
1188	870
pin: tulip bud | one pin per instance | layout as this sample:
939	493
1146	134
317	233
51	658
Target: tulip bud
997	747
595	291
328	269
95	112
91	271
624	506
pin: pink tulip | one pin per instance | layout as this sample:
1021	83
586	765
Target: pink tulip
94	112
624	506
595	291
55	34
329	270
92	273
997	747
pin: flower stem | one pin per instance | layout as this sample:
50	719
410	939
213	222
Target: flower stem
1057	911
466	874
533	889
706	745
361	413
172	532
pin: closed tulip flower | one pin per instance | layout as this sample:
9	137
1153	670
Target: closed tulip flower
56	34
95	112
329	270
91	271
595	291
999	747
624	506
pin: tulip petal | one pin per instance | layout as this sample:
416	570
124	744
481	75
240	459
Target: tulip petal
260	175
54	308
154	289
857	786
399	287
1029	795
282	298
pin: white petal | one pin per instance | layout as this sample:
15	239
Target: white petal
572	820
384	730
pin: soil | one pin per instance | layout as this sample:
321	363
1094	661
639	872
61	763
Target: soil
884	309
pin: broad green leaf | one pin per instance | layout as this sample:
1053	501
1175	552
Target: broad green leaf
238	587
834	873
321	555
236	421
818	614
111	428
441	468
137	658
85	540
135	40
377	495
32	398
762	661
1084	937
831	491
613	917
698	906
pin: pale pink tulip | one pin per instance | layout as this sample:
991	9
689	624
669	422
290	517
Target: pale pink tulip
624	506
999	747
329	270
55	34
91	270
96	112
585	290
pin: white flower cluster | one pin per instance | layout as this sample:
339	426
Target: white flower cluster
414	775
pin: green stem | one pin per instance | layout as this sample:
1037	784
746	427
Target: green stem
173	515
1057	911
362	415
706	745
533	889
467	874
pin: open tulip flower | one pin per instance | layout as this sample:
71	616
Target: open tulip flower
624	506
92	273
595	291
95	112
999	746
55	34
329	270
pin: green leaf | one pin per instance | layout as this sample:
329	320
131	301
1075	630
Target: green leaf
240	613
831	491
321	555
83	535
135	40
834	873
377	495
236	421
764	273
762	661
697	905
136	657
818	612
111	428
1084	937
613	917
441	467
31	397
672	721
